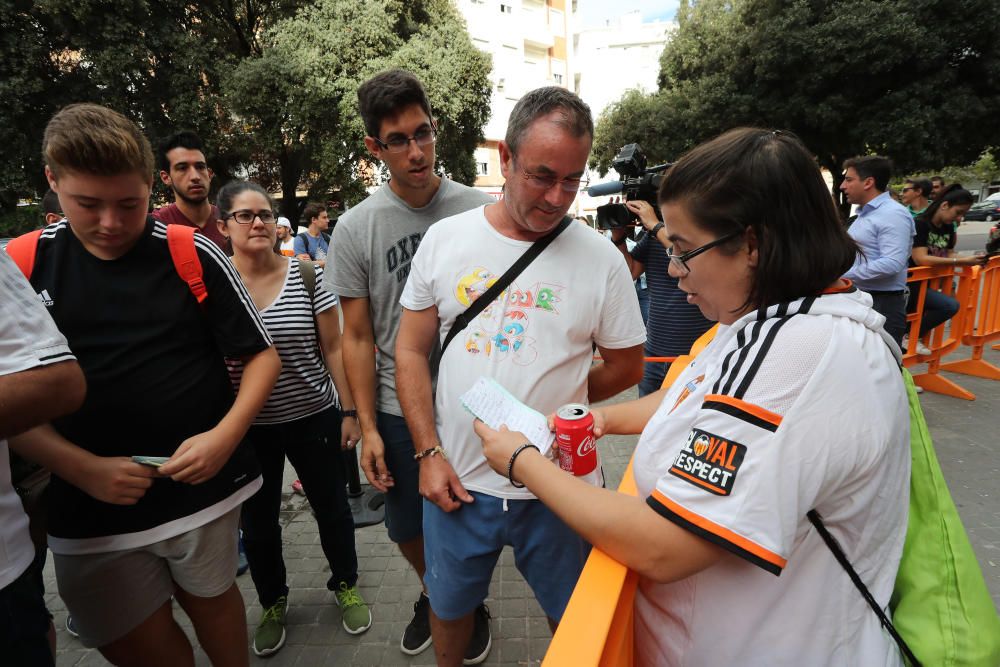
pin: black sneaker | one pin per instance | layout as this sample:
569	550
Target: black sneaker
482	639
71	627
417	635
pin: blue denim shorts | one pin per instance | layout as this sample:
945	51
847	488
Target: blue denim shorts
403	504
462	548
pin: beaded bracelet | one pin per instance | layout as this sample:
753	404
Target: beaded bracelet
510	464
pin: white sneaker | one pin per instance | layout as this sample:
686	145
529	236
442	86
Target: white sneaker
921	349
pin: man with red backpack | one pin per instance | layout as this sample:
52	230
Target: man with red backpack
150	314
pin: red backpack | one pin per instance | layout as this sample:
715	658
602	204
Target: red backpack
180	240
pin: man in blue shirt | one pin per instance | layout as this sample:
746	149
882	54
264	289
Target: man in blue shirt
312	245
884	231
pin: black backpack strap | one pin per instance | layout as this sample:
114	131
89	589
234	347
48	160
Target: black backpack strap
841	557
490	295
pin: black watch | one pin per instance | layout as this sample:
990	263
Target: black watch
656	229
349	413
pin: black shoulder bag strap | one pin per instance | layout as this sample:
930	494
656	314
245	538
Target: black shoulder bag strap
841	557
487	297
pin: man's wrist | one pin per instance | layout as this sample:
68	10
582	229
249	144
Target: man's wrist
429	453
349	413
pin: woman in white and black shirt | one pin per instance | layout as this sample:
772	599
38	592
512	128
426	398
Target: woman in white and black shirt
300	420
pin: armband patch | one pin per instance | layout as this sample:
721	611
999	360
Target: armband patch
709	461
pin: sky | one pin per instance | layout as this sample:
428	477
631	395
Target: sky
594	12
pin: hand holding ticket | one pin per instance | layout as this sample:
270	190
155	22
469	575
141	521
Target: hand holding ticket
495	406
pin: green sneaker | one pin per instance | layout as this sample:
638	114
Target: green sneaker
357	616
269	636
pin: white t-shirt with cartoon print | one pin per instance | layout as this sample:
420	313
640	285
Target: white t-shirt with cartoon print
535	339
802	409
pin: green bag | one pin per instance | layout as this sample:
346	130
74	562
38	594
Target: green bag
940	604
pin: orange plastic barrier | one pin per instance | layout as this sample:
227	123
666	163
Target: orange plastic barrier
942	279
593	632
982	322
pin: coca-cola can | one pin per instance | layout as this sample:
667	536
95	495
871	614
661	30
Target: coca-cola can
575	437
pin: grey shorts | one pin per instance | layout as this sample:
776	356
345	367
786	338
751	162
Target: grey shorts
110	594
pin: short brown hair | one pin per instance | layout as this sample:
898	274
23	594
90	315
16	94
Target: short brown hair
388	93
91	139
312	210
766	180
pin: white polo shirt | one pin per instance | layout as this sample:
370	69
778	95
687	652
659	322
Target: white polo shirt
28	339
801	409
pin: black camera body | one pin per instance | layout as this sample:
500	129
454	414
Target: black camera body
636	182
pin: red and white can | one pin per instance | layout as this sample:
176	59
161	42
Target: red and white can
575	437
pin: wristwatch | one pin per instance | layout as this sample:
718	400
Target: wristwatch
656	229
349	413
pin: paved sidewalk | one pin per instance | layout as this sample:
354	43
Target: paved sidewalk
965	434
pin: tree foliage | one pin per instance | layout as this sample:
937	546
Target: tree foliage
309	72
918	81
269	84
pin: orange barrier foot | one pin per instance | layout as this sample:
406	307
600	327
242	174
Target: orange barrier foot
975	367
940	385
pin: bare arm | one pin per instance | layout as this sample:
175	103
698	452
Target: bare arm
114	480
417	332
328	324
619	370
635	267
38	395
624	527
921	257
358	343
201	456
627	418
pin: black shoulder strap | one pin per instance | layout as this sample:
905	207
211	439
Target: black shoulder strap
841	557
487	297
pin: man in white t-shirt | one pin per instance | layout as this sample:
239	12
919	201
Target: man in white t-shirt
39	380
286	241
536	341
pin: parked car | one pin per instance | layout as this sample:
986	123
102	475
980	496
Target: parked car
984	210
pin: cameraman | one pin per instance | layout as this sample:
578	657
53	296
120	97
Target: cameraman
674	324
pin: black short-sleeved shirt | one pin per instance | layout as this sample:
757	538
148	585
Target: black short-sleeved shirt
674	324
154	363
937	240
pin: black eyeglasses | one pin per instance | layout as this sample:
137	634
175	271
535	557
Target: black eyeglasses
679	262
423	137
246	217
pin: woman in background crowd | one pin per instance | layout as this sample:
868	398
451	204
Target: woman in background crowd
934	245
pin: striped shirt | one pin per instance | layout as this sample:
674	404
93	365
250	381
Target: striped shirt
304	386
674	324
